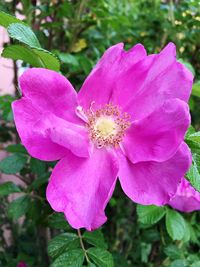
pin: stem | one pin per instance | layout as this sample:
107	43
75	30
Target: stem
82	245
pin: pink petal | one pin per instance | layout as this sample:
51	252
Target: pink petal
67	134
158	136
186	199
49	91
36	142
99	85
82	187
151	81
154	182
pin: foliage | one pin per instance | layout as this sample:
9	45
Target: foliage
70	36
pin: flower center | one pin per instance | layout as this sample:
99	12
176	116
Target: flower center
107	125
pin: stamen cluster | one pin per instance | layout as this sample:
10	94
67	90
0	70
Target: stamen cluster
110	116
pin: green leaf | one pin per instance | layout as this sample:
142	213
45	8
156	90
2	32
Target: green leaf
19	207
150	214
193	174
24	34
61	243
17	148
36	57
187	233
86	64
190	131
58	221
72	258
145	251
37	166
173	252
7	19
175	224
196	89
24	53
8	188
195	137
68	59
90	264
39	181
95	238
178	263
101	257
13	164
49	60
195	264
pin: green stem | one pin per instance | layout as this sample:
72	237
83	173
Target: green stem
82	245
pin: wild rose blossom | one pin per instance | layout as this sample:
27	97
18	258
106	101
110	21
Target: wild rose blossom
186	199
128	121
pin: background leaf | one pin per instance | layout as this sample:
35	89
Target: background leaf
61	243
73	258
175	224
8	188
19	207
95	238
101	257
13	164
150	214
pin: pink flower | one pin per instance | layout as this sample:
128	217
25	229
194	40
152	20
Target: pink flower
21	264
128	121
186	199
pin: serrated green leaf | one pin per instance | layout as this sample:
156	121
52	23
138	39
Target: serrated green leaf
72	258
101	257
150	214
23	34
13	164
7	19
175	224
193	174
95	238
61	243
8	188
49	60
36	57
19	207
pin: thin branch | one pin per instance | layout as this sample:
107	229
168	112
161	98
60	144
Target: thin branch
82	245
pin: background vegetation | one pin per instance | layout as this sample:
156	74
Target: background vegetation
77	33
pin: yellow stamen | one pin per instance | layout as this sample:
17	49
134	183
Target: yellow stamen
107	125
